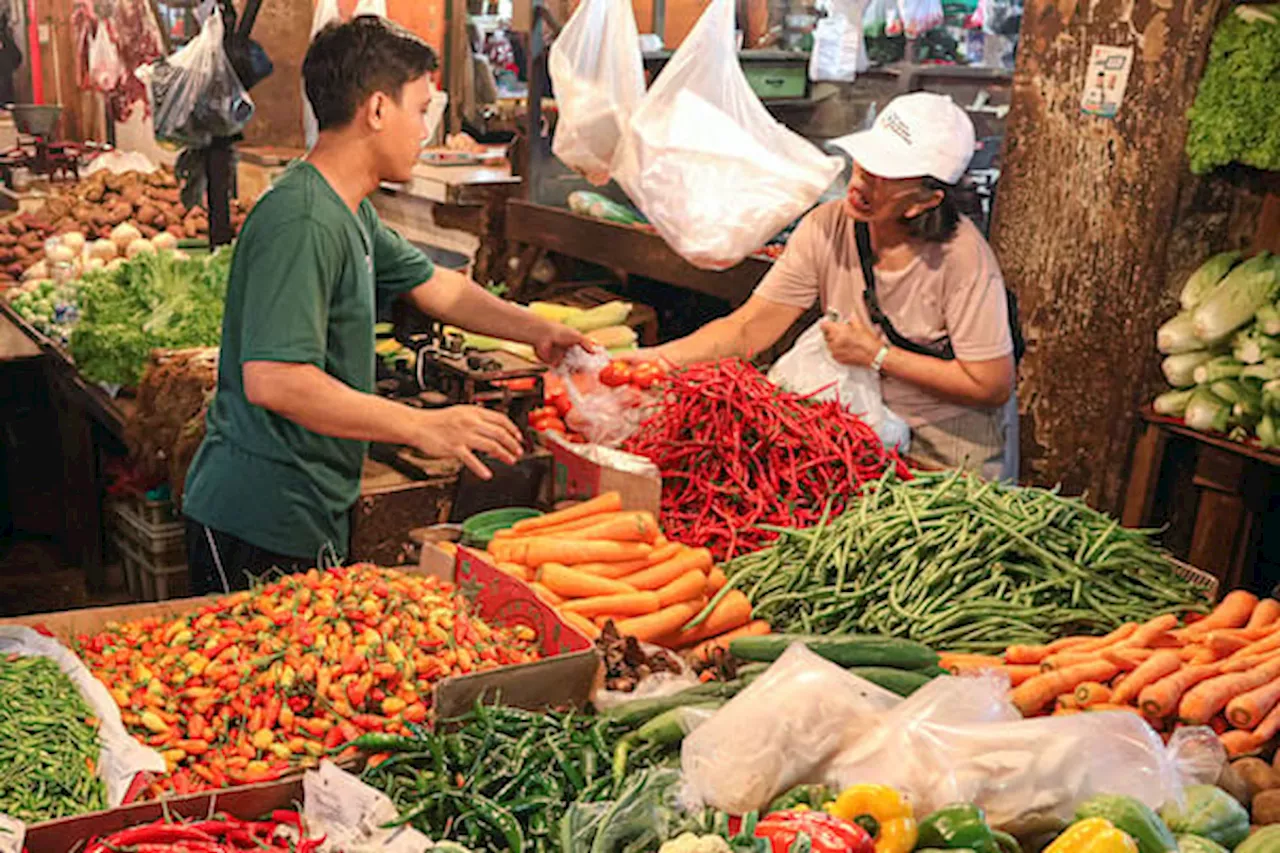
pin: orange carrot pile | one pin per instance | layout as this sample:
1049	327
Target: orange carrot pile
595	562
1223	671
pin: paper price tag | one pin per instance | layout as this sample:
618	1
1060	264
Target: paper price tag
352	814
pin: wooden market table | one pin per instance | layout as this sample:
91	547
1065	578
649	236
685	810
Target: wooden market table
1213	493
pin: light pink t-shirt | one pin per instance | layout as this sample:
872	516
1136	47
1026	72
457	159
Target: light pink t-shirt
951	289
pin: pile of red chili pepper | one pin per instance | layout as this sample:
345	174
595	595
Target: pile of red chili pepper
737	452
259	682
283	832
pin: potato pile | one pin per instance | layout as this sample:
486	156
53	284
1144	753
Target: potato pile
96	207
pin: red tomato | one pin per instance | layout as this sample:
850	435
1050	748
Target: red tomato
645	376
560	402
543	412
618	373
551	425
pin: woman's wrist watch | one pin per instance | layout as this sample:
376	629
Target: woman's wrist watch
878	362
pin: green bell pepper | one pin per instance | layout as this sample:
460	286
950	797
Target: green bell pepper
1134	817
1211	813
963	826
1197	844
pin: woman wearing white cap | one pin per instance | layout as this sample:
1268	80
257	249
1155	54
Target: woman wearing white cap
934	323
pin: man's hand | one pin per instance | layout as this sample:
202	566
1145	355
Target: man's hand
852	342
644	355
557	340
460	432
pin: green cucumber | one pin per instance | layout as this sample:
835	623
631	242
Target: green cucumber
904	682
843	649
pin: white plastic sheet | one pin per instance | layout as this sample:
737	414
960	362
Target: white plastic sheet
808	368
598	76
122	757
706	163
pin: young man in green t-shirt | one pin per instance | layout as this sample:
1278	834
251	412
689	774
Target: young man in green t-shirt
289	427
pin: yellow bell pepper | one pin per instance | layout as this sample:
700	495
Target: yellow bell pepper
1093	835
892	824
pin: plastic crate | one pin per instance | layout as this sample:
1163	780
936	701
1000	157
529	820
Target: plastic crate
152	581
162	544
155	512
1196	577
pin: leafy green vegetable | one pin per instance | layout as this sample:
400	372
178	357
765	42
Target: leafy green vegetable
1206	278
1235	301
1236	114
153	301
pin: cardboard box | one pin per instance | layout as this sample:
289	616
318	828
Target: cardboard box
248	802
583	471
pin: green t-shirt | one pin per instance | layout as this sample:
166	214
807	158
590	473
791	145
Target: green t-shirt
305	279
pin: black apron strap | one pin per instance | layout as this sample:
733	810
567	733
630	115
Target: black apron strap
940	349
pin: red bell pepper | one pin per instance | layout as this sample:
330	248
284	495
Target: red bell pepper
827	833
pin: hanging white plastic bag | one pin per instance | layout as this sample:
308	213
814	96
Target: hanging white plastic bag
808	368
920	16
839	51
597	74
875	17
778	732
106	70
195	92
706	163
122	758
326	12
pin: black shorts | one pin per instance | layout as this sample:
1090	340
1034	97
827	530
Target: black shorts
219	562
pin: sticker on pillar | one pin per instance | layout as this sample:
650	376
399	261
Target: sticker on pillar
1106	79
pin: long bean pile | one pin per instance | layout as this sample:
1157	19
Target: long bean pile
963	565
48	743
736	453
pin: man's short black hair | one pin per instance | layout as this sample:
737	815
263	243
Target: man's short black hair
347	63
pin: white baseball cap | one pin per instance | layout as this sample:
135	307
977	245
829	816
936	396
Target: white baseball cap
917	135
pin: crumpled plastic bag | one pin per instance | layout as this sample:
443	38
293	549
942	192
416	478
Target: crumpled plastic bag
106	69
778	732
604	415
706	163
808	368
122	758
597	74
920	16
839	50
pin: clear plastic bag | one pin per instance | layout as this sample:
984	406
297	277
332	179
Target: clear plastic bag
325	13
706	163
875	17
839	51
959	740
920	16
196	93
808	368
597	73
106	70
122	758
797	713
604	415
645	812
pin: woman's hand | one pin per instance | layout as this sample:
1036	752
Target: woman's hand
852	342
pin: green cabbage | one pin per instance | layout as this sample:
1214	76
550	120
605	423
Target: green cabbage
1178	335
1206	278
1233	303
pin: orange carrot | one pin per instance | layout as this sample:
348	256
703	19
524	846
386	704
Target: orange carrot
703	650
1150	630
623	527
1259	737
733	611
716	580
1154	668
1248	709
1065	712
661	541
1223	644
1019	674
1067	642
1160	698
547	595
1090	693
1241	743
612	571
622	604
584	625
1234	611
1062	660
955	661
608	502
515	570
688	586
1267	644
662	553
1023	655
548	549
1200	703
1111	706
567	583
1265	615
450	548
1124	632
1066	702
654	577
1130	659
654	625
558	529
1033	694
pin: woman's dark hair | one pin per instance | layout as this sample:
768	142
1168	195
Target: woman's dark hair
349	62
938	224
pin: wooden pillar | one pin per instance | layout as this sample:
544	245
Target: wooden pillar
1098	222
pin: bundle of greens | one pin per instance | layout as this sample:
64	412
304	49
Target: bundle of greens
155	300
1236	115
1223	350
